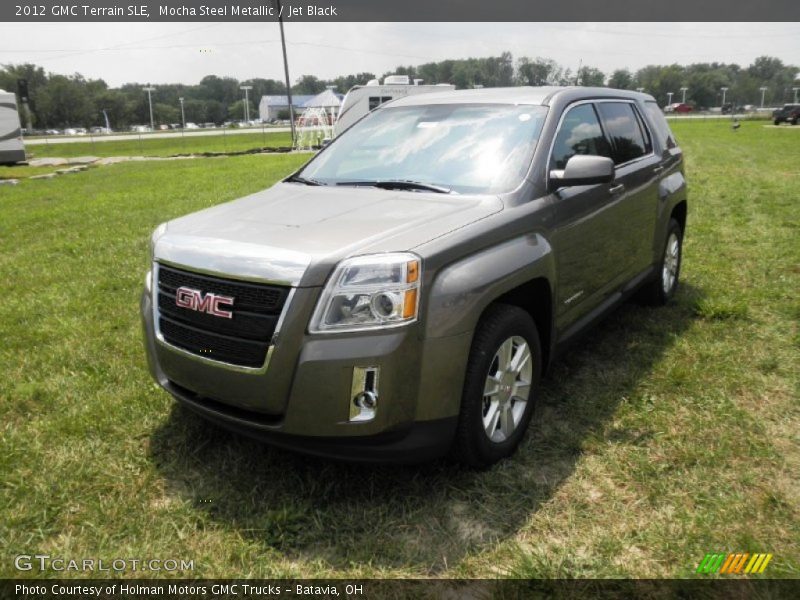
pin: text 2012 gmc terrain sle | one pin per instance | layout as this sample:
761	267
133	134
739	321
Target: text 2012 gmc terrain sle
400	295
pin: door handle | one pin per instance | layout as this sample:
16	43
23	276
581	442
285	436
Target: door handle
657	170
617	189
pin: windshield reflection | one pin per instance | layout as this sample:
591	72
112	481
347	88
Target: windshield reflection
468	148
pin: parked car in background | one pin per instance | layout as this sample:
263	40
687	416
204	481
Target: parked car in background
140	128
400	295
678	107
100	130
192	126
70	131
790	113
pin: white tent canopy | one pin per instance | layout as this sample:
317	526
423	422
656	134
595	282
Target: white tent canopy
326	99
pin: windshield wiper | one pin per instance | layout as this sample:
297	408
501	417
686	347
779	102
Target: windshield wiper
399	184
305	180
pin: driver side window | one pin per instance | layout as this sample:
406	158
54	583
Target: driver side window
580	133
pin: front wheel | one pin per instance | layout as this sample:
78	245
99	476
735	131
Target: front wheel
503	372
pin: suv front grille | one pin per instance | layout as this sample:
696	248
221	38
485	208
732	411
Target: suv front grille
242	340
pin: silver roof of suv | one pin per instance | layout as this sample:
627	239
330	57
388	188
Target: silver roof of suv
514	95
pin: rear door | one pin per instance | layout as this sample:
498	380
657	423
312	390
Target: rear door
635	186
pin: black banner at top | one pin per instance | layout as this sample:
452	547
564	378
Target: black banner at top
398	10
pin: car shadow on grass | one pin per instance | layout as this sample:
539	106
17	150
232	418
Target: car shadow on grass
421	519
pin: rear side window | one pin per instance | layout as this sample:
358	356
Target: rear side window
580	133
624	129
660	123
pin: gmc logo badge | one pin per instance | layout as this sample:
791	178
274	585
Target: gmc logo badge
209	303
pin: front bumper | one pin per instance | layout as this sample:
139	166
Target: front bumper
302	400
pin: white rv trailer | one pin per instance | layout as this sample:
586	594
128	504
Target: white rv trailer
362	99
12	149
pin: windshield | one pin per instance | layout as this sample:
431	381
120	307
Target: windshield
466	148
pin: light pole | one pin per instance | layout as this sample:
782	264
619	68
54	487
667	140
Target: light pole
286	73
149	91
246	89
795	94
669	98
763	91
183	115
724	90
684	90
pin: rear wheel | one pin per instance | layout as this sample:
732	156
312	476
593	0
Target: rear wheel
663	287
503	373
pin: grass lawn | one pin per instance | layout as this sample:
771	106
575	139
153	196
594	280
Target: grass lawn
22	171
144	146
666	434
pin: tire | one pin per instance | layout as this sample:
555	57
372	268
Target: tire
660	290
777	122
491	426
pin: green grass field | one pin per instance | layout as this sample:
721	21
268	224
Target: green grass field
666	434
146	146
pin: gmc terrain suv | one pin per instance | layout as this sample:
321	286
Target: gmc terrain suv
400	295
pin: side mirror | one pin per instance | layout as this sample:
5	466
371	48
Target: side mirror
583	169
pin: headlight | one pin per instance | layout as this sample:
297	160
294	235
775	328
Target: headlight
159	231
370	292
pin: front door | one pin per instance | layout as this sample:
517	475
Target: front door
585	235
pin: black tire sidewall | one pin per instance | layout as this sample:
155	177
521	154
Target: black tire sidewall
674	227
500	323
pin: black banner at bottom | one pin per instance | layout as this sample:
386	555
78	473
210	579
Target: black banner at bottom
368	589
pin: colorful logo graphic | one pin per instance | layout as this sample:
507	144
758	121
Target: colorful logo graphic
738	562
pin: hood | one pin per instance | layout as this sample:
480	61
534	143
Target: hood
293	233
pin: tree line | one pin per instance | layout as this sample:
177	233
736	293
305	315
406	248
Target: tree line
57	100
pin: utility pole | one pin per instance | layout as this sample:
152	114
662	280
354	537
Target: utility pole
724	90
795	94
684	90
286	71
763	91
669	98
149	90
183	115
246	89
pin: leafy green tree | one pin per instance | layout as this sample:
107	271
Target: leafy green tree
591	77
236	111
622	79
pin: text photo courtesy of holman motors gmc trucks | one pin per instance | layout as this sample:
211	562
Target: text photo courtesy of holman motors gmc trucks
399	297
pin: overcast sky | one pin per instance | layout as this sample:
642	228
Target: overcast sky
185	52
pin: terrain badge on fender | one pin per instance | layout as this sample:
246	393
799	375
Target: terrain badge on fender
209	303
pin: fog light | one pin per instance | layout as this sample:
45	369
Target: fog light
366	400
364	390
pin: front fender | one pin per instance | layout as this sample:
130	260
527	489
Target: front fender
462	290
